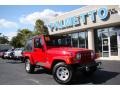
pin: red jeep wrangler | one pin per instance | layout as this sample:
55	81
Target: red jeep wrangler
56	54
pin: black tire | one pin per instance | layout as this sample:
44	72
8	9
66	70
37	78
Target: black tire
57	73
22	60
30	68
3	57
90	72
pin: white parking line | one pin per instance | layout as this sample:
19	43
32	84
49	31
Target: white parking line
35	81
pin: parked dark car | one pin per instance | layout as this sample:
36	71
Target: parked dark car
2	52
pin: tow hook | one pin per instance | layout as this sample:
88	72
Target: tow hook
99	64
87	68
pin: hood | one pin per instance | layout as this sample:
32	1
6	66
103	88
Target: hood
67	49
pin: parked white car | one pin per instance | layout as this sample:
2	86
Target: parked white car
9	54
18	53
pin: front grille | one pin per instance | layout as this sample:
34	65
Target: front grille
85	57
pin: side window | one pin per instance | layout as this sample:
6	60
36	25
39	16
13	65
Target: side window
37	43
28	46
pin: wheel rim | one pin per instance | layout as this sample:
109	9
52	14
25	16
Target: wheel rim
62	73
27	65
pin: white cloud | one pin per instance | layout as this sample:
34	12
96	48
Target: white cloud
10	35
44	15
7	24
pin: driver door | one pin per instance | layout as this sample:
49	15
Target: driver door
38	52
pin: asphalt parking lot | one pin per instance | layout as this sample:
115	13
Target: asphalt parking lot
13	73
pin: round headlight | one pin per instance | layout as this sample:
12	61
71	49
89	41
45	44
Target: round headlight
78	56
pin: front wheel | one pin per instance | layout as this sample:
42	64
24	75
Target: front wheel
62	73
29	67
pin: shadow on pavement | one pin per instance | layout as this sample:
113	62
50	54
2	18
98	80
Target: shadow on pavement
99	77
42	71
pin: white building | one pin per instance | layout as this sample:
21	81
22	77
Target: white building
92	27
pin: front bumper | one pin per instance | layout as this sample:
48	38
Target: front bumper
89	66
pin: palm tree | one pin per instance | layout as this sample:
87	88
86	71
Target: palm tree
3	39
20	39
40	28
24	34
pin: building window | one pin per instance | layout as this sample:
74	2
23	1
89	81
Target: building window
106	42
113	38
98	42
83	40
79	39
74	37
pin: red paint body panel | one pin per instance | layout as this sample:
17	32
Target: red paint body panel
47	55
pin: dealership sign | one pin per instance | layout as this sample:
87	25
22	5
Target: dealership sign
74	21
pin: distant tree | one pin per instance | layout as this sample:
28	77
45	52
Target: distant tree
20	39
40	28
3	39
24	34
15	42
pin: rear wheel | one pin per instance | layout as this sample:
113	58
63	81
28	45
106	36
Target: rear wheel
29	67
62	73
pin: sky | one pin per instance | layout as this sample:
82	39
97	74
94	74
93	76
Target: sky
14	17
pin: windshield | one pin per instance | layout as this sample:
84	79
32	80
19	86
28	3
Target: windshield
58	41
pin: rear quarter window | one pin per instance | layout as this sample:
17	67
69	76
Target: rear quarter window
28	46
